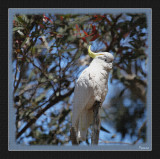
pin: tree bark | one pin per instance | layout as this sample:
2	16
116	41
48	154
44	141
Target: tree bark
96	123
73	136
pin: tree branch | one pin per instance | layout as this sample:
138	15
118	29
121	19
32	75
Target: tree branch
139	132
19	79
96	123
52	102
73	136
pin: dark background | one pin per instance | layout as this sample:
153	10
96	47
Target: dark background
78	4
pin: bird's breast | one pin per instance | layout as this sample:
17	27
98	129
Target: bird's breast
101	85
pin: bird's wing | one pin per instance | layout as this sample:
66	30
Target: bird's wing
82	95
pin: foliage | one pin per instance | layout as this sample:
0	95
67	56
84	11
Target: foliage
50	51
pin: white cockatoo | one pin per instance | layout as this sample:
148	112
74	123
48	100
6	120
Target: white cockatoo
91	86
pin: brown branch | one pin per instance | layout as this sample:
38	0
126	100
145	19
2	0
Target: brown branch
114	38
52	102
20	76
96	123
15	74
35	108
73	136
60	72
103	129
41	71
32	43
24	55
139	132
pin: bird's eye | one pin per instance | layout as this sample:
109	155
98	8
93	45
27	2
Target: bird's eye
106	60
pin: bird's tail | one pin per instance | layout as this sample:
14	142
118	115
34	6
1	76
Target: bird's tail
85	120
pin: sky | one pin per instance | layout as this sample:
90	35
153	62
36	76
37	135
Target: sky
103	135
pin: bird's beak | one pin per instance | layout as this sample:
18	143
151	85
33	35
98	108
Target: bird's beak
92	54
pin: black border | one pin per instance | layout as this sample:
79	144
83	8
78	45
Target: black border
78	4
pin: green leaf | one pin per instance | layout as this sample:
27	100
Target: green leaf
20	19
68	50
40	97
24	42
71	49
18	28
57	21
78	54
25	18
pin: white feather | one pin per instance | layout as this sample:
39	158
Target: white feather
91	86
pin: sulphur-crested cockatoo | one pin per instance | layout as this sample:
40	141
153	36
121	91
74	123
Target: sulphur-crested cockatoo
91	86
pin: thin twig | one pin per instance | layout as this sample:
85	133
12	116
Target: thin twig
41	71
139	132
19	79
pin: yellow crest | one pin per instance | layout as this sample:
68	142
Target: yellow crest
92	54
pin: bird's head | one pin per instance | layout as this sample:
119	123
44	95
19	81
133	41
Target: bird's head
104	58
